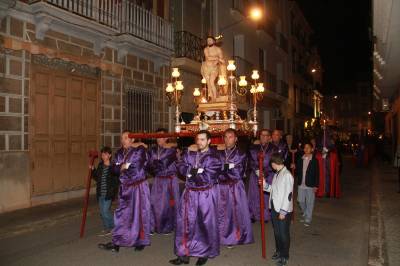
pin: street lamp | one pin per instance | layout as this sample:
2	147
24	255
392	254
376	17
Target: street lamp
255	13
240	87
174	91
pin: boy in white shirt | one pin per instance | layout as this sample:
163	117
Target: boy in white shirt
281	205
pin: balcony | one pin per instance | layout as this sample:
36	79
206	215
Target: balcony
188	45
243	67
269	28
240	6
121	17
283	89
269	80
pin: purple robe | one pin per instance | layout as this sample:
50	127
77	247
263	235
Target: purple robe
197	232
132	217
234	217
254	190
281	148
165	189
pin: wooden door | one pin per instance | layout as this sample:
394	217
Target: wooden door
64	126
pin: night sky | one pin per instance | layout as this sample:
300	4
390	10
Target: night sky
342	30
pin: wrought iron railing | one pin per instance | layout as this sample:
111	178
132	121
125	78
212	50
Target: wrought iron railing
122	15
269	80
188	45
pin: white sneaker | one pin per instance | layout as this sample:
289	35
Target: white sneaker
307	224
230	247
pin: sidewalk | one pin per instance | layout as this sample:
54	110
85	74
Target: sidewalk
385	188
39	217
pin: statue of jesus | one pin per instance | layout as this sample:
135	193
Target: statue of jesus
210	68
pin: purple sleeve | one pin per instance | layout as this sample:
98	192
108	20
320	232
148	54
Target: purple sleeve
116	168
240	160
252	165
138	160
183	166
212	167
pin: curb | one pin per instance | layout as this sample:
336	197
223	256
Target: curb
376	240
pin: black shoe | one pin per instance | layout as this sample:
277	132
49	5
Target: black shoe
179	261
201	261
253	220
276	256
139	248
282	262
109	246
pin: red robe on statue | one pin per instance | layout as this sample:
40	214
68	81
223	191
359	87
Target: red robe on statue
335	190
321	167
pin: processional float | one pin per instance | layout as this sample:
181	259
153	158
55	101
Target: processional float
217	101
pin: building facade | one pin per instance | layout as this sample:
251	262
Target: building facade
350	113
306	68
73	75
386	68
278	46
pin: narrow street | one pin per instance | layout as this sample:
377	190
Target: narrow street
339	235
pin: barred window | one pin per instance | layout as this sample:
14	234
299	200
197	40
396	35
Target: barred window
140	110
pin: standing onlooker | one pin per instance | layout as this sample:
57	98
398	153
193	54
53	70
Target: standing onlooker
106	189
281	204
307	174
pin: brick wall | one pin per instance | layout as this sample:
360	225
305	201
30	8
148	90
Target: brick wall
15	180
138	73
14	91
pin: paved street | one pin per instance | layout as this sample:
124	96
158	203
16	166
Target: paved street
339	235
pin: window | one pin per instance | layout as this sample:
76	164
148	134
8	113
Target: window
140	110
238	45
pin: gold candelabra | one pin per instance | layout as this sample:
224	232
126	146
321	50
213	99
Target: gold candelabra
174	91
239	87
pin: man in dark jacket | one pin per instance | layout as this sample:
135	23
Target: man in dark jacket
307	174
106	189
